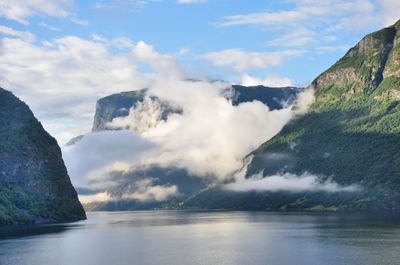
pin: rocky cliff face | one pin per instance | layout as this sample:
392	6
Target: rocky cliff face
274	97
34	184
365	66
121	104
146	111
116	105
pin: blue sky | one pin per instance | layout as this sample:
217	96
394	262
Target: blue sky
198	28
44	44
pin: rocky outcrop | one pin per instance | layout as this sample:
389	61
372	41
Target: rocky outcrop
145	111
116	105
365	65
34	184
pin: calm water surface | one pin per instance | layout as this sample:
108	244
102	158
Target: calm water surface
180	237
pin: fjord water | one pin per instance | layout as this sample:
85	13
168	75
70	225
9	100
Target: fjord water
182	237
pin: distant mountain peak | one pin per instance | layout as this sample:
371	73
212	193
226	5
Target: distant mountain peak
365	65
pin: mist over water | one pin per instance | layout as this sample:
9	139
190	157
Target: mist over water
181	237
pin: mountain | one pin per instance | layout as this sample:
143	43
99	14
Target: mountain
350	135
274	97
118	105
34	184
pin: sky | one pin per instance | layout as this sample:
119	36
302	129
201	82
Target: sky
60	56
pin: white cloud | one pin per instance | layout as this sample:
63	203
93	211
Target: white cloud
270	81
62	79
304	100
305	11
289	182
145	191
390	11
329	38
20	10
162	63
306	23
47	26
98	38
209	137
25	35
299	37
120	43
128	5
119	151
190	1
98	197
242	60
145	116
337	48
81	22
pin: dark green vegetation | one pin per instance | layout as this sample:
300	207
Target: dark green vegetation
34	184
351	132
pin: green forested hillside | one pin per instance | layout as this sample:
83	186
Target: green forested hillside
34	185
350	135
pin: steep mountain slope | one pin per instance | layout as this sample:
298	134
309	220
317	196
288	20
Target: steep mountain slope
351	133
34	184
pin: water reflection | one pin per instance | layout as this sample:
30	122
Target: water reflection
33	230
182	237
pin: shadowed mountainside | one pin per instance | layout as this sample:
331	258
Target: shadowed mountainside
34	184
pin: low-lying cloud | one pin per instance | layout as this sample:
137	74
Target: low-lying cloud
91	160
144	191
270	81
290	183
208	137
